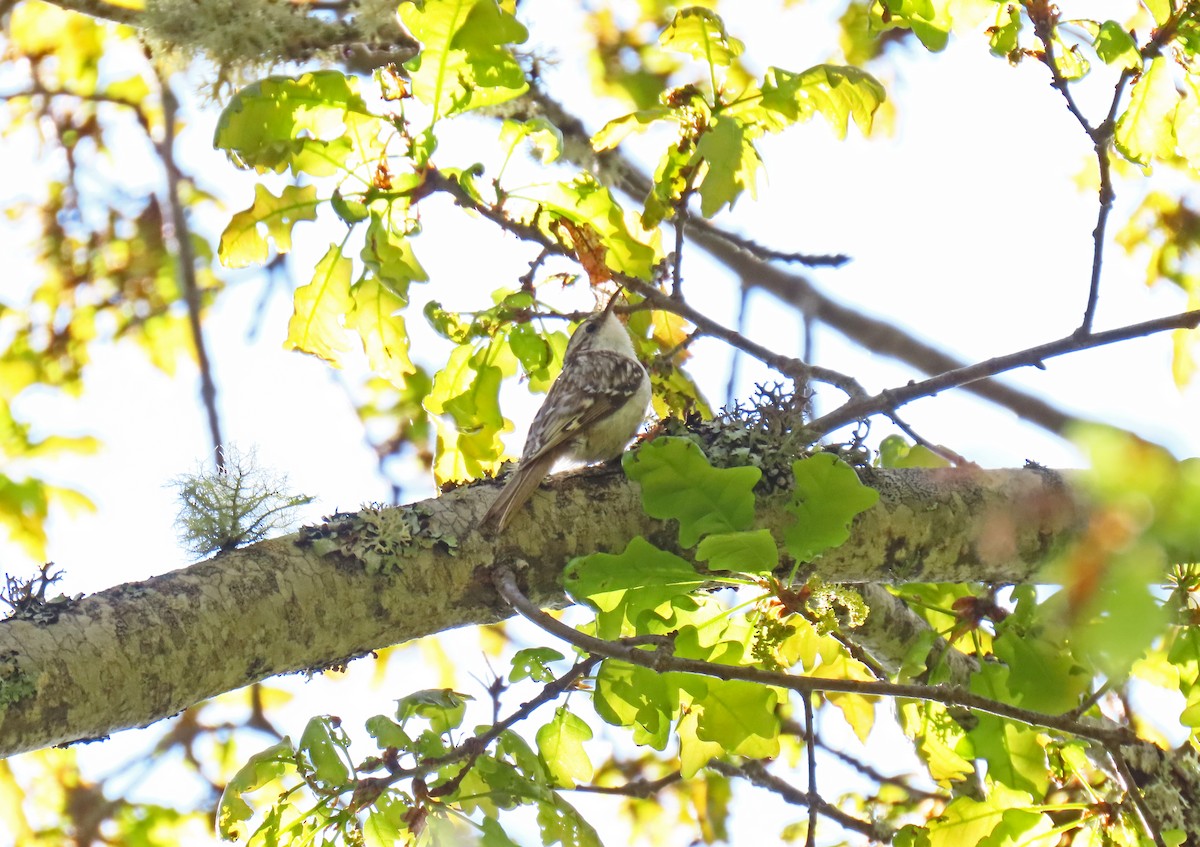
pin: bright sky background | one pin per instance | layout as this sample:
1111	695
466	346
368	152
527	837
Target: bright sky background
965	226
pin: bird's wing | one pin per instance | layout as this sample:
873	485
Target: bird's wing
591	388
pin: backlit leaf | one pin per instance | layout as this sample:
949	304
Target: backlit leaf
321	307
245	240
835	92
624	586
750	551
464	62
731	165
560	743
316	123
1144	130
701	34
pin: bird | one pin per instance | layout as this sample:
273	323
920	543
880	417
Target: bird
593	409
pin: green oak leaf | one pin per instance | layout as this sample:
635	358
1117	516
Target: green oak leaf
1144	130
828	496
750	551
740	716
678	482
1115	46
560	743
632	696
895	452
1001	816
316	123
929	20
464	63
245	240
623	587
443	708
532	663
389	256
388	733
585	202
694	752
376	318
544	137
616	130
263	768
700	33
732	164
323	752
1005	35
834	92
467	390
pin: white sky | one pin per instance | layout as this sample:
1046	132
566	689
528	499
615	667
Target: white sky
965	227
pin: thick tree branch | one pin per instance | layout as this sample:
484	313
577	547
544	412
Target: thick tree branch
140	652
363	35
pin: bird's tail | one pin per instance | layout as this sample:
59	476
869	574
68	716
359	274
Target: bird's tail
519	489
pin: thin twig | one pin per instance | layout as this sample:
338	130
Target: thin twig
810	746
881	337
757	774
1134	791
661	660
791	367
187	269
1093	698
767	254
937	449
640	788
871	773
474	746
677	256
891	399
740	329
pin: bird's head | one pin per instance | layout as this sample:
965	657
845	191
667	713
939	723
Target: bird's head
601	331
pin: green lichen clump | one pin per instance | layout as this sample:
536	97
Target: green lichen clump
378	537
242	37
241	503
766	432
15	684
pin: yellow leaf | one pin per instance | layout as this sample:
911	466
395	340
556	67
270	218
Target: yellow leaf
242	243
1145	131
316	324
384	337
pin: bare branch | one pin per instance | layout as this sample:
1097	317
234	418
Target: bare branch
104	11
893	398
1045	20
1103	732
187	269
1145	817
640	788
880	336
757	774
794	368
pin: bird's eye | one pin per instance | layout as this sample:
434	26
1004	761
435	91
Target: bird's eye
590	328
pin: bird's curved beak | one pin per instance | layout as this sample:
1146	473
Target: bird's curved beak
612	301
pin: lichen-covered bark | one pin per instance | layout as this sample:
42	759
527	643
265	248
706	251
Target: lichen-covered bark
140	652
